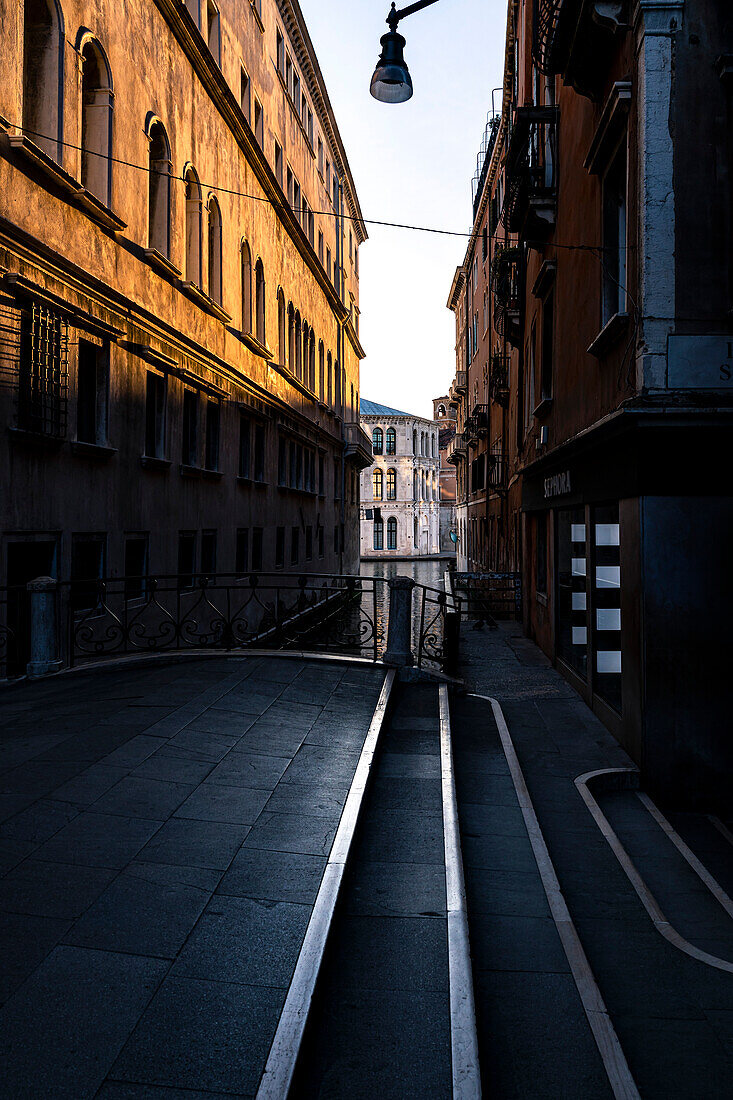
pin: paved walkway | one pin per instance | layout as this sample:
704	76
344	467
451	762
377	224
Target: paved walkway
165	829
673	1014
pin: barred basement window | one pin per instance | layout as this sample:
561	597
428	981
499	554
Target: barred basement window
43	372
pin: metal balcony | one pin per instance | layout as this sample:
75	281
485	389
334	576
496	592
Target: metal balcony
456	449
499	380
497	473
480	416
531	195
358	446
459	383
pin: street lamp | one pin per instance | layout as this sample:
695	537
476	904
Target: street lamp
391	81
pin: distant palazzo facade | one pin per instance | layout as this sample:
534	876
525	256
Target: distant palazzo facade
400	493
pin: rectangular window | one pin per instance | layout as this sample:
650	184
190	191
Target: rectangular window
290	185
320	156
155	392
211	460
328	177
336	479
280	52
186	558
259	126
294	545
288	73
321	474
244	96
189	440
321	542
320	246
259	452
282	461
208	553
336	539
279	163
241	556
328	262
541	551
296	91
87	566
43	372
309	127
279	547
614	236
213	37
309	543
244	447
296	199
91	393
136	566
548	307
257	549
484	244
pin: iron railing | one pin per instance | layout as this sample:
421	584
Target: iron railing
490	596
497	472
437	636
320	612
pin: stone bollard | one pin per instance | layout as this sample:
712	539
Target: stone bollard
399	635
44	634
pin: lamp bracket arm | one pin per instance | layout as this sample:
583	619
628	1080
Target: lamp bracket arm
394	16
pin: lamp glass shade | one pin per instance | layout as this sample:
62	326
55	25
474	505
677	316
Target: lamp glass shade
391	81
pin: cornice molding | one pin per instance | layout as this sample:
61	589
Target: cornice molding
295	25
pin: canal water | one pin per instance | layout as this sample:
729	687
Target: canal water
428	573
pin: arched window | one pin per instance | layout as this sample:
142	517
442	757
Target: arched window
329	380
415	532
297	365
312	362
441	410
432	445
193	227
391	484
281	335
391	441
377	441
378	541
377	480
321	371
214	250
414	441
391	533
261	319
246	266
291	337
159	189
96	121
414	484
43	46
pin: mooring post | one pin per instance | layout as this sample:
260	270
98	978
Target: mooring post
44	632
399	634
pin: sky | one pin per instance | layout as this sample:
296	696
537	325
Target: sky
412	162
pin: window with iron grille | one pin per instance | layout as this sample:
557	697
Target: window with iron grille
43	373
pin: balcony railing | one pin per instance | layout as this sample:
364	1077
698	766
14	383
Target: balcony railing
529	207
459	383
577	38
499	380
480	417
497	473
358	446
456	449
505	270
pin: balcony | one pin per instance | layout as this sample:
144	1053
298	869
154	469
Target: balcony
497	473
358	446
575	38
470	431
499	380
480	416
459	382
506	281
531	195
456	449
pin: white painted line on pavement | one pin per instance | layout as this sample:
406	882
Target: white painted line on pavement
645	895
280	1067
464	1040
614	1061
699	868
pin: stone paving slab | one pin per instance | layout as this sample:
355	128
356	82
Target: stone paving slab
162	843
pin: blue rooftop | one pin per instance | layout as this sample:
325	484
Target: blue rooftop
373	408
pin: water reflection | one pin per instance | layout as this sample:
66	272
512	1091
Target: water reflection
429	573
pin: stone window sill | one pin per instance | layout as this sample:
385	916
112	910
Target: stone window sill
197	295
253	344
149	462
92	450
189	471
543	408
609	334
212	475
251	483
35	439
161	263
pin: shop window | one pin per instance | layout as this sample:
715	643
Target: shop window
572	579
541	553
